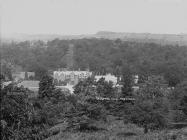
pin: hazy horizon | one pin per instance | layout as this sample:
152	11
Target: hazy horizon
60	34
82	17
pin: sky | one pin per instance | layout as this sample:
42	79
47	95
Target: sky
73	17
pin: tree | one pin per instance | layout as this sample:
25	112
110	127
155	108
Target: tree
174	75
86	114
142	78
46	86
2	78
127	82
151	108
19	120
85	87
87	110
184	104
26	76
104	88
178	101
40	71
6	69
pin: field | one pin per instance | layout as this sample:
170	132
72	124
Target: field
116	130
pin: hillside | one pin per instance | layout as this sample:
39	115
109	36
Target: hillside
180	39
164	39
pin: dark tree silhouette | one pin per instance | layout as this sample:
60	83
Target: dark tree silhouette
46	87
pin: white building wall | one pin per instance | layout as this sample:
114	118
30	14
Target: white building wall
72	76
108	78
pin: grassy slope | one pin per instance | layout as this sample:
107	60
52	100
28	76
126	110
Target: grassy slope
117	130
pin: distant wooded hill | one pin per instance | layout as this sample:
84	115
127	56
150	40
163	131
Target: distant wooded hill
163	39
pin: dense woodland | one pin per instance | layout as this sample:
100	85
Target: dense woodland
155	107
55	113
100	56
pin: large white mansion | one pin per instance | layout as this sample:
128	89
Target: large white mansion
70	77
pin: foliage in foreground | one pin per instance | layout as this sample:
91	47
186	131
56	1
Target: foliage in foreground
151	108
87	111
178	99
117	130
23	118
19	120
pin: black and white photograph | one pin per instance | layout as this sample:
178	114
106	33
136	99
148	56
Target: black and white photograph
93	69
